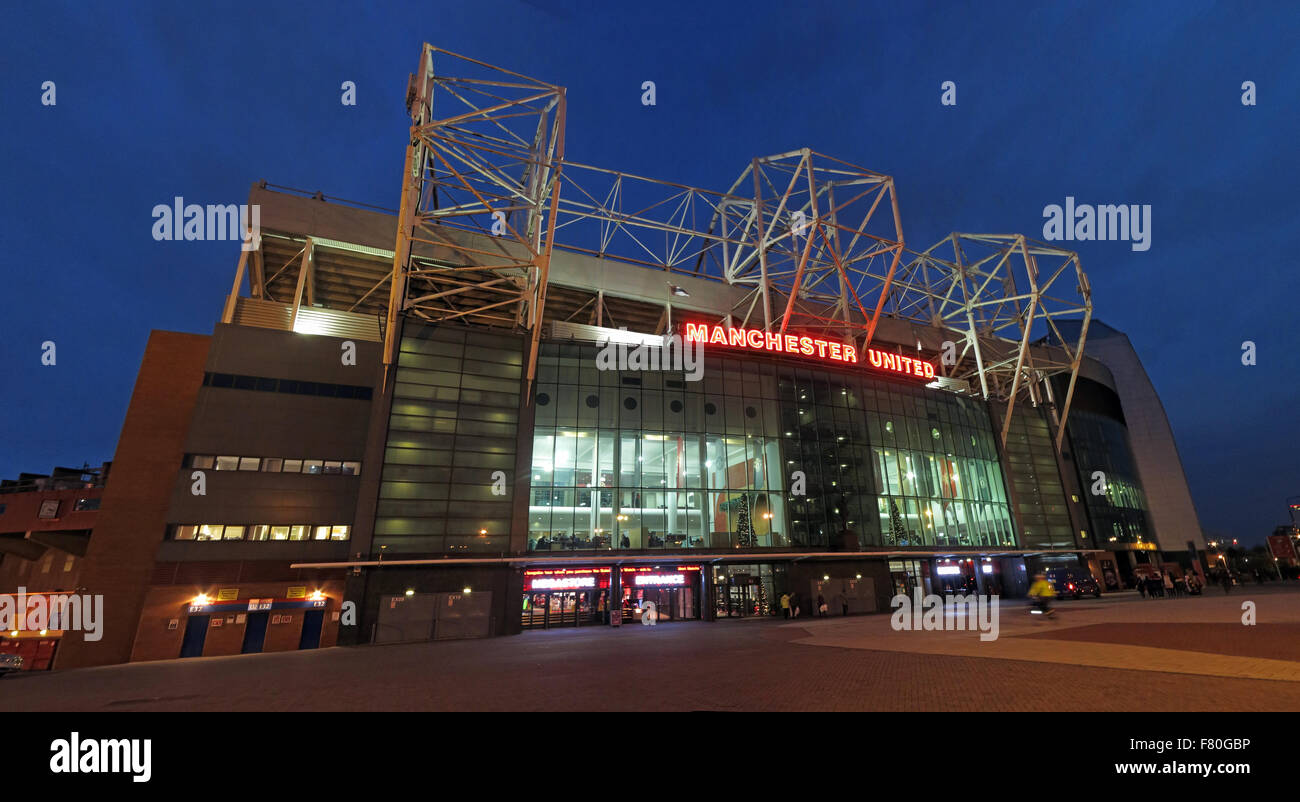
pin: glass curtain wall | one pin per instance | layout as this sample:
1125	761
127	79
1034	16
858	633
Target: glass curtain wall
647	460
1119	513
892	463
758	454
936	466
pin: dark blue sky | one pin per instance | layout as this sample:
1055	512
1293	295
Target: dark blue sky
1110	103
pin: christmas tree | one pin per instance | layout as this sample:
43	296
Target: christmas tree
744	526
897	532
763	609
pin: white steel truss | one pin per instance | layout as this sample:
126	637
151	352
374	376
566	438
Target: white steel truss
815	242
1002	293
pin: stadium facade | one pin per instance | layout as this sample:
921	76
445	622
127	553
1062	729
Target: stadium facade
481	413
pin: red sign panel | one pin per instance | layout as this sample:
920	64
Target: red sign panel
806	346
648	577
541	579
1281	547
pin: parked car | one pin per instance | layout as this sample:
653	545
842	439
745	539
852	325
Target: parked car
10	662
1073	582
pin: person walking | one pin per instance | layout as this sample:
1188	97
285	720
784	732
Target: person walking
794	605
785	606
1142	586
821	605
844	603
1168	587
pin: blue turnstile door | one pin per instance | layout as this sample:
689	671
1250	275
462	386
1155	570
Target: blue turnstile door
196	631
254	633
311	627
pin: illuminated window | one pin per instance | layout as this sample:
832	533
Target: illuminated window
209	532
280	533
340	532
227	463
234	533
185	532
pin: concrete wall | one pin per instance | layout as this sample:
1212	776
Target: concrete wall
249	423
505	584
1169	500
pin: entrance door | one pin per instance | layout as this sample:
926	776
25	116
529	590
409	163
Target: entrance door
671	604
254	633
464	615
534	611
740	600
559	608
563	607
196	631
311	627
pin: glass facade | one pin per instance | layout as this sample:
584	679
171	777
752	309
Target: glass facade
1036	481
454	422
760	453
1119	514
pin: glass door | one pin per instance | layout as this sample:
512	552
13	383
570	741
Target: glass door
533	614
737	600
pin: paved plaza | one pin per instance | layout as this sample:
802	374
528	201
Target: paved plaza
1116	653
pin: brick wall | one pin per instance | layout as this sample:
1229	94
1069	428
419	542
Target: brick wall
133	514
155	640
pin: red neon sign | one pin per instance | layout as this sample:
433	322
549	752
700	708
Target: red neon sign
805	346
566	579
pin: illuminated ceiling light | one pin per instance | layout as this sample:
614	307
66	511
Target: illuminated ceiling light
467	591
410	592
201	599
316	595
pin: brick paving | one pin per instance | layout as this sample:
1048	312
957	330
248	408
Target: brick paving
765	666
1270	641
